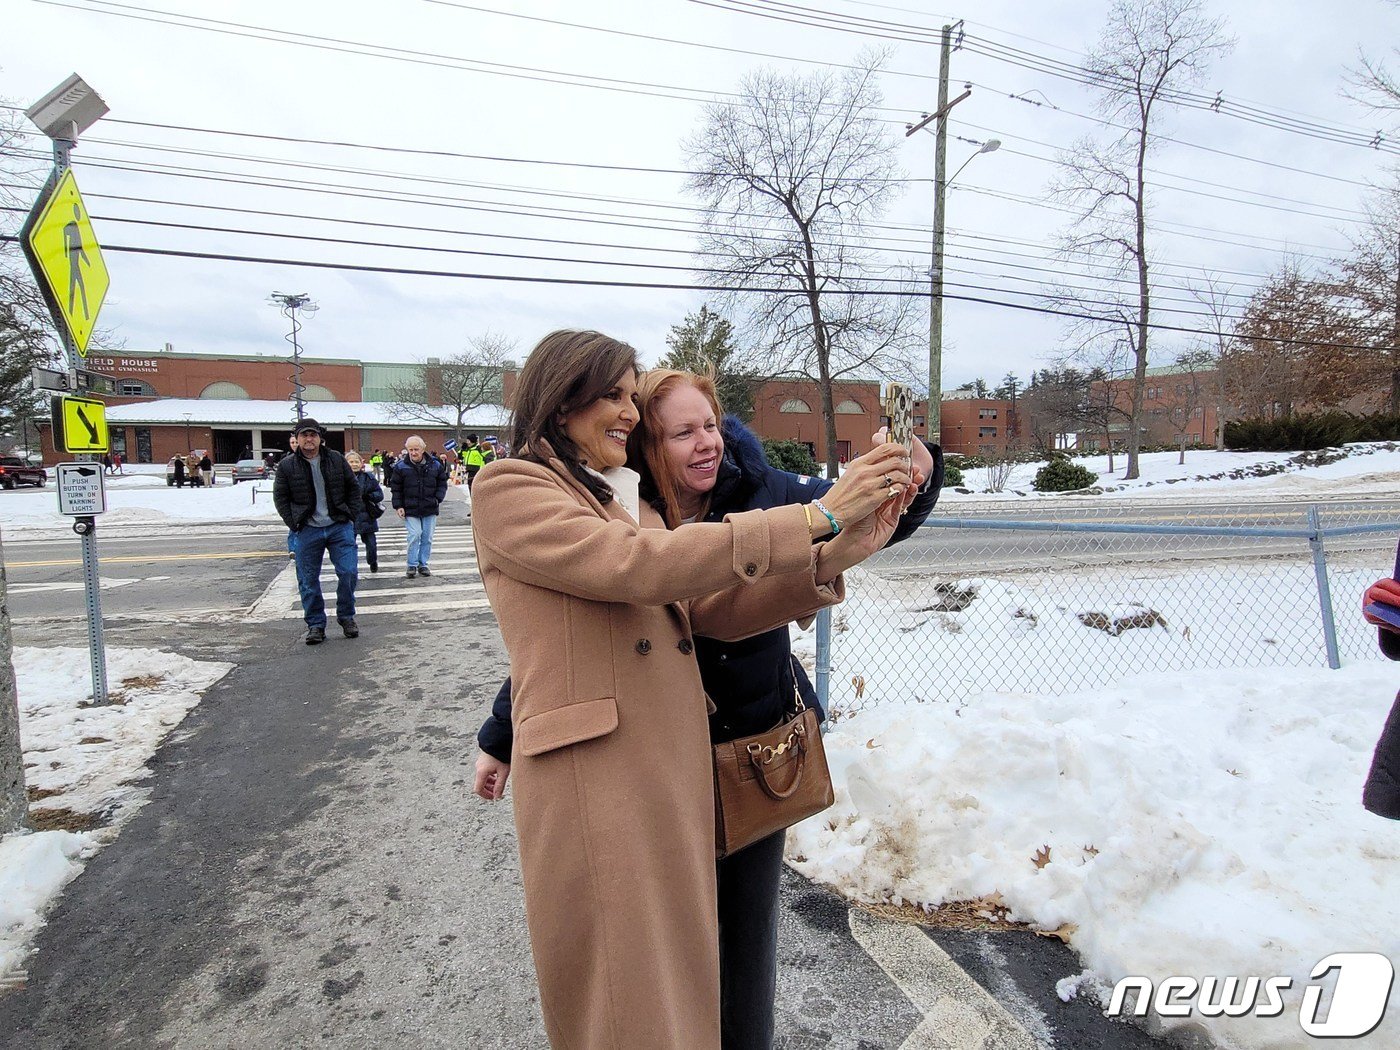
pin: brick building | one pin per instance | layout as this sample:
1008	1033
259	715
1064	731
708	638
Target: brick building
239	405
169	402
1177	403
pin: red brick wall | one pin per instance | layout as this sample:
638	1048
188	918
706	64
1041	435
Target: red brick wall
265	379
808	427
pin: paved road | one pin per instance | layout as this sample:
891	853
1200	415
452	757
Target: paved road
311	868
973	547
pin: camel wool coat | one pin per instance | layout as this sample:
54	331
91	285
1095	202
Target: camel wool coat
611	769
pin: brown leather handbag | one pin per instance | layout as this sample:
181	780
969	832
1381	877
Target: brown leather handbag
770	781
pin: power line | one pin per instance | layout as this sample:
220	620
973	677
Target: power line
513	278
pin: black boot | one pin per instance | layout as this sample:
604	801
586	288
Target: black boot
315	635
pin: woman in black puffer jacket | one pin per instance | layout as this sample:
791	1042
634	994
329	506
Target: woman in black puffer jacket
696	468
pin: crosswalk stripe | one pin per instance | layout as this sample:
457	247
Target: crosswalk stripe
411	607
958	1013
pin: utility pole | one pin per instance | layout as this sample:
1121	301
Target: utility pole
940	191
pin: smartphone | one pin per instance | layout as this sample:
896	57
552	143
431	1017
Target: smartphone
899	407
1383	611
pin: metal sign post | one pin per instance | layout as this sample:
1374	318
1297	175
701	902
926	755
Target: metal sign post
63	252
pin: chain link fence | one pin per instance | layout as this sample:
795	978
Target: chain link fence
1060	597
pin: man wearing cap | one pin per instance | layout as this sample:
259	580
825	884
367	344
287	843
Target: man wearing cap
315	492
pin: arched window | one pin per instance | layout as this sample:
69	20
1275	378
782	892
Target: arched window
135	388
850	408
795	404
317	393
224	391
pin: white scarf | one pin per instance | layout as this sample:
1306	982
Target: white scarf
625	484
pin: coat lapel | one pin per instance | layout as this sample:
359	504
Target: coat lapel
612	511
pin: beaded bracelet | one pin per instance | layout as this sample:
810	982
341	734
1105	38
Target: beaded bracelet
830	517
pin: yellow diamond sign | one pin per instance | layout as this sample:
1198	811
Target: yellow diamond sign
66	259
79	424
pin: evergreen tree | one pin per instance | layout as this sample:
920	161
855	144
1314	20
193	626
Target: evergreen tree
704	343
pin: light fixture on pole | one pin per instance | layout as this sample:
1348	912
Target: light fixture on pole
188	446
350	441
290	304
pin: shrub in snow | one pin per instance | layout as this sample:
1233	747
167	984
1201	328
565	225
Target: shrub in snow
952	476
1062	475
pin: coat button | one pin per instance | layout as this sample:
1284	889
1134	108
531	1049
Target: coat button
644	647
750	569
684	646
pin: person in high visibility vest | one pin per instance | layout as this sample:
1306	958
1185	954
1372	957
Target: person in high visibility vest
376	464
473	459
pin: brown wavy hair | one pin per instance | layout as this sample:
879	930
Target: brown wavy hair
661	486
566	370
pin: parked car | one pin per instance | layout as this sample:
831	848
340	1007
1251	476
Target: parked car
191	480
15	471
249	470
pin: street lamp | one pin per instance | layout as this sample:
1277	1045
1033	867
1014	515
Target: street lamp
351	441
188	446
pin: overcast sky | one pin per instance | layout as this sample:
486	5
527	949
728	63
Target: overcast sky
1229	195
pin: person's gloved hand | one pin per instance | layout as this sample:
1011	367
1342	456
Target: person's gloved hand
1386	592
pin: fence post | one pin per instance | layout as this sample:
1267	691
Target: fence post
1324	588
824	658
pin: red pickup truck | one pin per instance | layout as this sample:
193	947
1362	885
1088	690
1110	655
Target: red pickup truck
15	471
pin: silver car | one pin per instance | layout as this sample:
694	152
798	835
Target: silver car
249	470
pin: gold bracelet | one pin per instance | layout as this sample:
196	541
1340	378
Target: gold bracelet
807	513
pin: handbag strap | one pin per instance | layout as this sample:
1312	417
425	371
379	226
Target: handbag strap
760	757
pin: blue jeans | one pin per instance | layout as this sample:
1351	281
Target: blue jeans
420	540
312	543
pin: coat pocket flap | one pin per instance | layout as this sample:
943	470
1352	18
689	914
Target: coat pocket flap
566	725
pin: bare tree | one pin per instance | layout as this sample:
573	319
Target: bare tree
26	337
1213	293
1196	370
1292	346
446	391
1371	281
1148	51
790	177
1371	83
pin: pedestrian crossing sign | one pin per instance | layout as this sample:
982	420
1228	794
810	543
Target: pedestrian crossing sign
66	259
80	424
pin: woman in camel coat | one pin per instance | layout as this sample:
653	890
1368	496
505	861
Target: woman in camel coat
598	604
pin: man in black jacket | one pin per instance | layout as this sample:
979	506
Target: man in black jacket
315	492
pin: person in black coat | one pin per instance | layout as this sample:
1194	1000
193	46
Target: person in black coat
419	484
1381	606
750	682
372	504
315	493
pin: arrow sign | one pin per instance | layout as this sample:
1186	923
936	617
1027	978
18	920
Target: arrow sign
87	423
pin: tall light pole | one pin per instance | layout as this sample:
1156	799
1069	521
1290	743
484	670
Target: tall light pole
188	415
290	304
350	445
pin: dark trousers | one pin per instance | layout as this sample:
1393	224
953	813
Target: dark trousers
748	943
471	476
313	542
371	548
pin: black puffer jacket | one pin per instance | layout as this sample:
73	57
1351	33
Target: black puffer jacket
419	489
751	682
294	492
